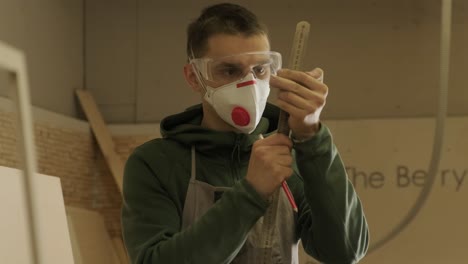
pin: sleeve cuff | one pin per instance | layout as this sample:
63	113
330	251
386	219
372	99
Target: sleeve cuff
253	194
314	145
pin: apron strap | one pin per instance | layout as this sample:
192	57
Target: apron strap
193	173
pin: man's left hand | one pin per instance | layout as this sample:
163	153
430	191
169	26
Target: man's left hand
303	96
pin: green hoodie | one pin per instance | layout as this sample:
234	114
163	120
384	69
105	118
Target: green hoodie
330	222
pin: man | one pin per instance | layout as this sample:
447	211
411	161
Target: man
209	191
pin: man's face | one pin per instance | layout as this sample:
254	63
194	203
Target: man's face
221	47
226	68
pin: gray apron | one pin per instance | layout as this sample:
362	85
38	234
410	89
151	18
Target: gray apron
272	238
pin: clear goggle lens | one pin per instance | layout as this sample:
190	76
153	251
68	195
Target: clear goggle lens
235	67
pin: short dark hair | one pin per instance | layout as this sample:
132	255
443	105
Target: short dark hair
225	18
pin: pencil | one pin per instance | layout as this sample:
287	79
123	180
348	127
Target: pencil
283	128
288	193
284	184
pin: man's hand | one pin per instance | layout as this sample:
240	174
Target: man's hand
270	164
303	96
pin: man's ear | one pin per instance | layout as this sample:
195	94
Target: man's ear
191	78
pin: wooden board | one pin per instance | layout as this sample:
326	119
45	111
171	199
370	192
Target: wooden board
120	250
103	135
90	240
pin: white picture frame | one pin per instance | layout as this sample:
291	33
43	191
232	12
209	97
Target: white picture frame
35	249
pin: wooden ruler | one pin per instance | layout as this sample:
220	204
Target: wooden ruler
295	60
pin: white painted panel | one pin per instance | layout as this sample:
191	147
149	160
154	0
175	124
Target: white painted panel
55	240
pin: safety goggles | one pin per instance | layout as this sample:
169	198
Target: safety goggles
231	68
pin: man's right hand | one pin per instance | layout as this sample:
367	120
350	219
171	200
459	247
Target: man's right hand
270	164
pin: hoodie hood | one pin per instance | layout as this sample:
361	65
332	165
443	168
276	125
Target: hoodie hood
185	129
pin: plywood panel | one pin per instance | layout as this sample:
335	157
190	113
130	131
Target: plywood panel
53	45
162	89
119	113
111	51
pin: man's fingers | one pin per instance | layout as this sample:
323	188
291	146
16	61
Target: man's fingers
308	104
267	152
317	73
288	77
285	160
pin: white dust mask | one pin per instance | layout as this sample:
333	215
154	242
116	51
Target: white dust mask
241	103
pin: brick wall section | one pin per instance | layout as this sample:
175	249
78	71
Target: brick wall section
75	158
60	152
126	144
8	148
69	155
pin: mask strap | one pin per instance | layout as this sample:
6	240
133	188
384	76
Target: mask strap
199	78
197	73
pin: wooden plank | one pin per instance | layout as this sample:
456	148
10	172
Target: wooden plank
102	134
90	240
120	250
